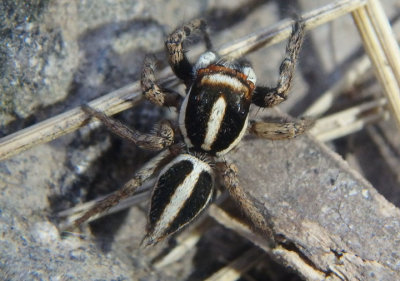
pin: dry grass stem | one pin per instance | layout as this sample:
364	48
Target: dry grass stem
387	151
236	268
69	216
68	121
239	227
184	244
349	121
276	33
380	62
327	99
385	35
180	250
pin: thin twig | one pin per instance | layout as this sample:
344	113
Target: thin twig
69	216
380	62
239	266
387	151
239	227
68	121
185	243
326	100
180	250
385	35
130	95
282	29
349	121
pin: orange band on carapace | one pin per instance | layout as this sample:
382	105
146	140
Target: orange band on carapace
229	71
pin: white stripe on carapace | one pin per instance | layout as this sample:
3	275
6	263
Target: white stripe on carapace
218	78
181	120
181	194
214	123
237	140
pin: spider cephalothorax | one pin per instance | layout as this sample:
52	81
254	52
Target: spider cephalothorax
213	117
214	114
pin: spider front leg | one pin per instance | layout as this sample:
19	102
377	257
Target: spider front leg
163	137
176	55
154	92
230	179
268	97
280	130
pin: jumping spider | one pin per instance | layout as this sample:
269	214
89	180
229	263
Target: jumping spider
213	117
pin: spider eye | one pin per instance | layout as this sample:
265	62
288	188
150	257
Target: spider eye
205	60
249	72
182	191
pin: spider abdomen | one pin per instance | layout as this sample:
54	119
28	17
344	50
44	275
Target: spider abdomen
214	114
183	189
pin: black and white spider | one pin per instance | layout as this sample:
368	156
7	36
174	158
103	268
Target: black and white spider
213	118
